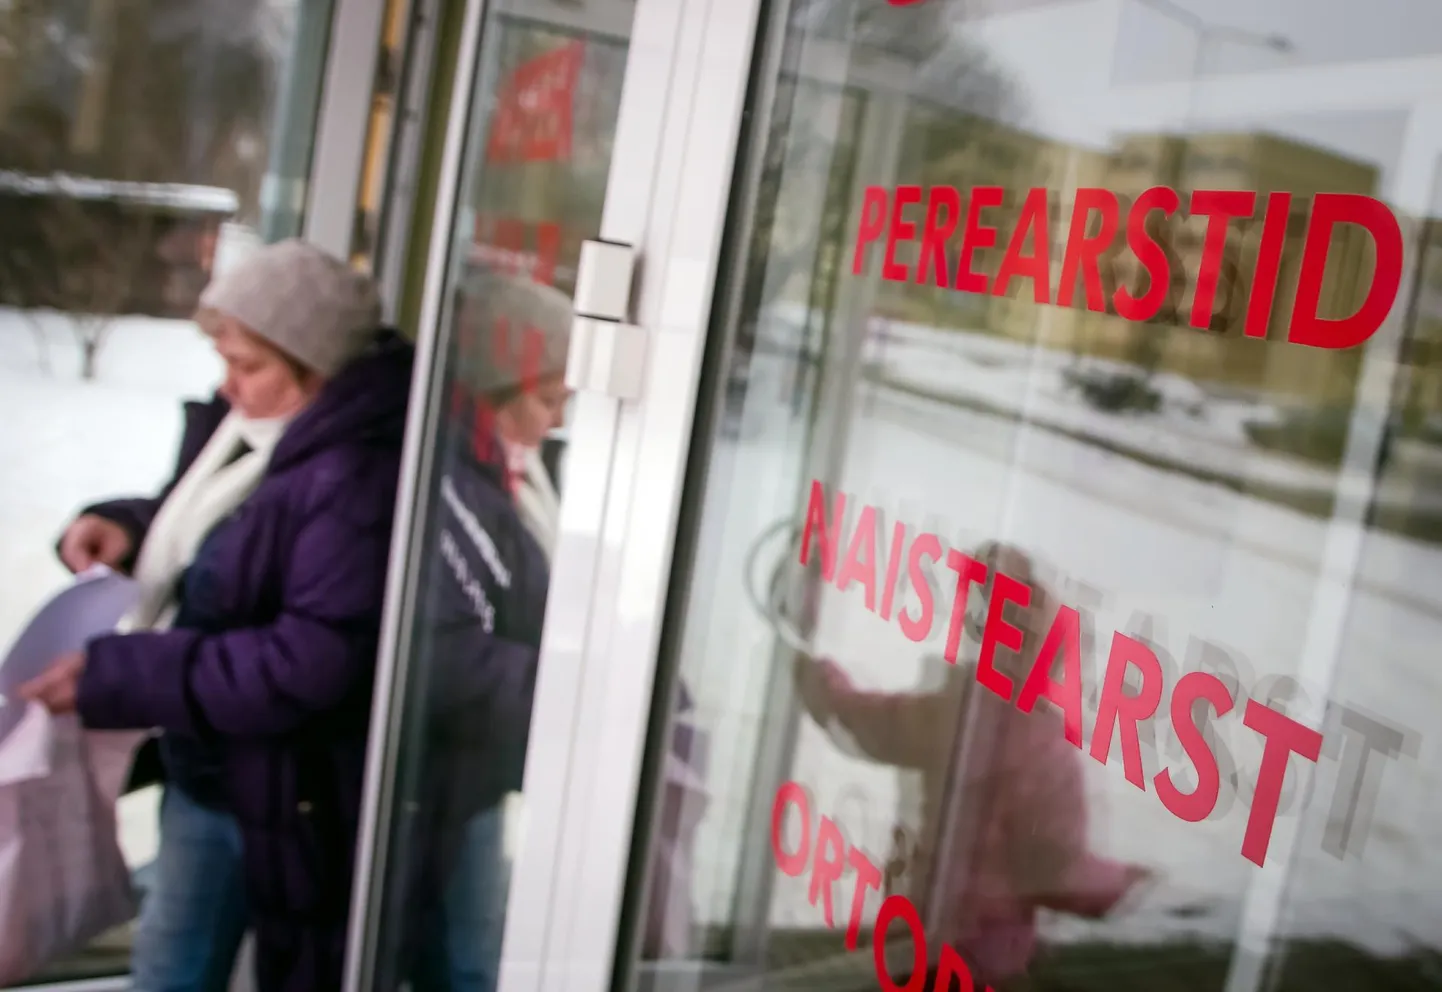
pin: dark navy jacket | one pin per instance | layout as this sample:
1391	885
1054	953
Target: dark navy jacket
191	763
485	603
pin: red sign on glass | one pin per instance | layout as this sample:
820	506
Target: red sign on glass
533	115
953	232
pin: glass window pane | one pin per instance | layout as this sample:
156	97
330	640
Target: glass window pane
1065	568
381	135
143	147
543	118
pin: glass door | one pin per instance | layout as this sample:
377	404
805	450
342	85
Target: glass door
508	488
144	148
1059	565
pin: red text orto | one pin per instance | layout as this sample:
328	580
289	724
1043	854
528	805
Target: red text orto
824	854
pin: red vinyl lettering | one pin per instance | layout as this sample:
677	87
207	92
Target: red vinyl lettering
511	239
1121	712
533	354
1329	210
1219	206
927	547
900	907
873	221
1149	253
1284	737
1083	252
953	966
816	527
901	230
937	233
1195	687
997	631
791	794
860	563
483	428
968	571
867	877
826	870
501	343
893	568
1269	264
1064	638
1123	708
977	235
548	249
1037	265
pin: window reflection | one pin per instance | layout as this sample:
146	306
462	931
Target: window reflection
543	121
1220	508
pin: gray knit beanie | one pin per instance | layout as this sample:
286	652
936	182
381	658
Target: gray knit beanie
522	330
307	303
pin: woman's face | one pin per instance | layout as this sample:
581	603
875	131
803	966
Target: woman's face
526	418
260	383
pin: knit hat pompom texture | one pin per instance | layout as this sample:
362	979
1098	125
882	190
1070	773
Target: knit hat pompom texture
304	301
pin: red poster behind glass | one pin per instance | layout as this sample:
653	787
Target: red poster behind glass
533	115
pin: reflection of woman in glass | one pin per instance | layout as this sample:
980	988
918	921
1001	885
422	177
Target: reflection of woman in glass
497	499
1004	829
520	332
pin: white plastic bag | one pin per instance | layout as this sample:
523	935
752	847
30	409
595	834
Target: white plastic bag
63	880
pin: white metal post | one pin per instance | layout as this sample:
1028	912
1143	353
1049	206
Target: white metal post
342	124
669	186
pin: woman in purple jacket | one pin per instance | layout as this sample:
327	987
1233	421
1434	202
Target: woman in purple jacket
262	575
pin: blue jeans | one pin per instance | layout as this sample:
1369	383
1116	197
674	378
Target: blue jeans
466	954
193	915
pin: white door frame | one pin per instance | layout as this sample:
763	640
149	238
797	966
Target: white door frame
688	66
343	124
670	184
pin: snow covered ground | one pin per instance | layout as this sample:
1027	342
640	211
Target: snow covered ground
1205	428
66	443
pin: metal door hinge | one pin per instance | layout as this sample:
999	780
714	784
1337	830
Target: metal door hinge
608	352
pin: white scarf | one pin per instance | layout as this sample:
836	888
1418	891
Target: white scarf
537	502
214	486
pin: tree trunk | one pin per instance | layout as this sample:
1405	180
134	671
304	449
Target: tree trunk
89	352
42	343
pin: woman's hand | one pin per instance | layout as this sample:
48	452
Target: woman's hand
92	540
819	681
57	686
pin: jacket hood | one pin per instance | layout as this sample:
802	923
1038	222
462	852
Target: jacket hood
365	403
